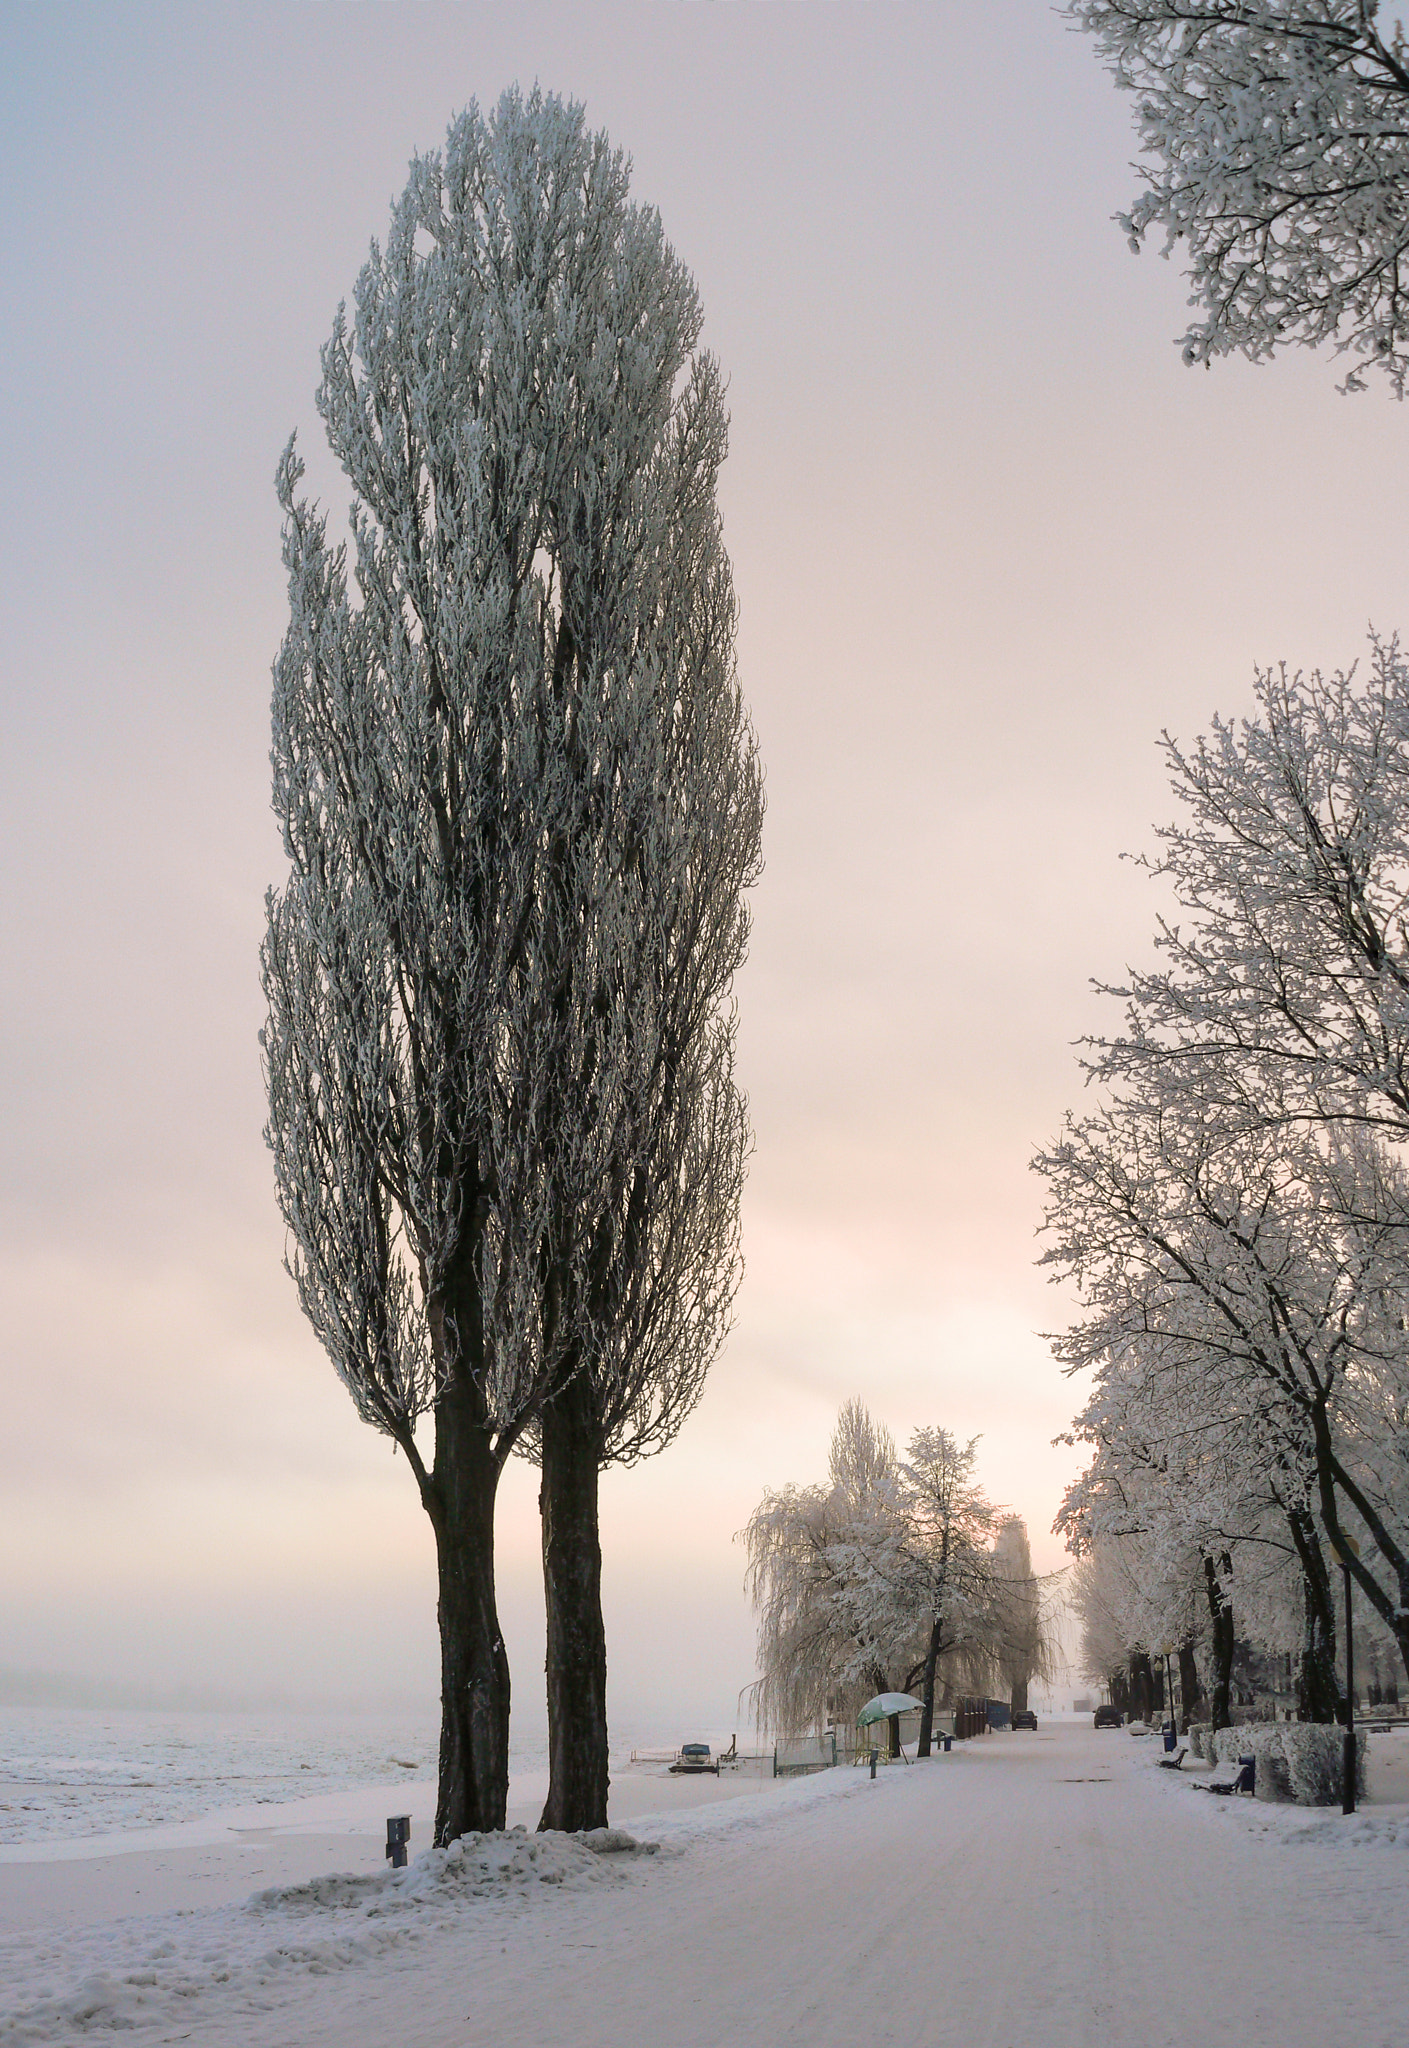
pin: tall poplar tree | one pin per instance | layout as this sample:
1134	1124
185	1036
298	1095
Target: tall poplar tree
498	724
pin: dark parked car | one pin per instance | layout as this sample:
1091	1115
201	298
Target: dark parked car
1025	1718
1107	1716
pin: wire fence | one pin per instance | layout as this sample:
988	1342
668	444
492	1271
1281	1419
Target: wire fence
794	1756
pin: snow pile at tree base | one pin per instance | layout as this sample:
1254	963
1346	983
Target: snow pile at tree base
1297	1761
469	1867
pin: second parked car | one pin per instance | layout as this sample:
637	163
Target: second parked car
1108	1716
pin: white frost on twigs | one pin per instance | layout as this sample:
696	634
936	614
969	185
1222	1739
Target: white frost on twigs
1275	137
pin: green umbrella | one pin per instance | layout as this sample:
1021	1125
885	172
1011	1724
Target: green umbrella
884	1705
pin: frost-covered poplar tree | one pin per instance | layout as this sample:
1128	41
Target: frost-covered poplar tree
1020	1648
648	929
486	745
1276	142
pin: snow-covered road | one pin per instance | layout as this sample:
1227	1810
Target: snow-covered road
1024	1893
1048	1891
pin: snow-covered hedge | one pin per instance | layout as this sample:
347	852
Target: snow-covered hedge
1315	1757
1273	1779
1297	1761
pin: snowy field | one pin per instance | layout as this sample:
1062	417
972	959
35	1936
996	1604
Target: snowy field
1053	1890
69	1773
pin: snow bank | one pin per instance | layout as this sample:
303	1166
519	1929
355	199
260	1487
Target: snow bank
469	1868
325	1925
1355	1831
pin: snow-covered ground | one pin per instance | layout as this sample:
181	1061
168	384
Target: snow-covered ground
67	1773
1046	1891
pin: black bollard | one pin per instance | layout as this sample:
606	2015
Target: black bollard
874	1754
398	1834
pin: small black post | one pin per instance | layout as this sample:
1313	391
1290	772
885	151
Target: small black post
398	1834
1348	1781
874	1754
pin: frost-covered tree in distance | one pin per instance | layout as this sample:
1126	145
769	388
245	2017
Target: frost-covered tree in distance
1020	1652
1101	1585
835	1622
1201	1447
880	1579
1240	1298
962	1593
1276	138
488	772
1187	1490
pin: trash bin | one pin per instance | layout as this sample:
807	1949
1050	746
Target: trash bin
1170	1738
948	1741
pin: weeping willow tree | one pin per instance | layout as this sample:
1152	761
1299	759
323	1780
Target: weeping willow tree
825	1573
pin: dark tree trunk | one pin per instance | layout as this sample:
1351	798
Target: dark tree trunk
893	1727
1221	1615
572	1585
474	1669
1142	1684
1333	1479
1189	1689
1318	1694
932	1650
1018	1703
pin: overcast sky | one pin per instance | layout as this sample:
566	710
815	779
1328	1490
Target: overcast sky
989	535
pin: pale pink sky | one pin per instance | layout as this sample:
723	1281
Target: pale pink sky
989	537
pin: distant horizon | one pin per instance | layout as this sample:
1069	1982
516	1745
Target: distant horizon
105	1692
64	1691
